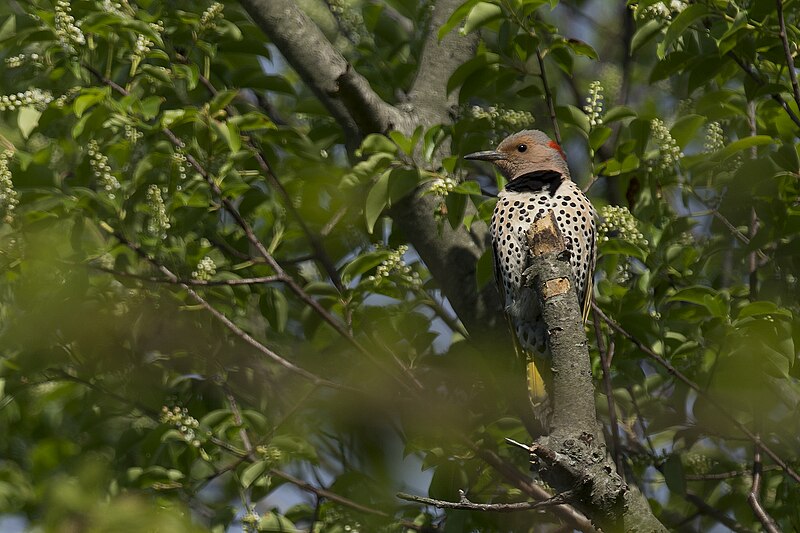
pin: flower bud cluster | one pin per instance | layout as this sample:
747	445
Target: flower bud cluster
206	269
187	425
669	152
179	160
662	10
67	31
699	464
132	134
102	170
395	267
715	140
210	17
62	100
19	60
9	198
271	454
143	44
250	520
502	119
442	186
617	221
158	224
35	97
594	104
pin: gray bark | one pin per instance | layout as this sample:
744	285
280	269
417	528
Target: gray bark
573	458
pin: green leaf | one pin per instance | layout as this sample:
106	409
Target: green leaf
685	128
582	48
616	246
150	107
375	143
570	114
618	113
27	120
377	199
253	472
482	14
402	181
742	144
87	99
673	474
680	25
363	263
644	34
598	136
763	308
455	19
485	60
221	100
702	296
275	309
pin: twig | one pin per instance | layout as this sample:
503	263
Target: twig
718	515
605	361
548	96
787	52
754	497
194	282
464	503
775	96
332	496
700	392
269	173
727	475
316	380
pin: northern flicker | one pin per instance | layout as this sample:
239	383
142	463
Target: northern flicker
538	181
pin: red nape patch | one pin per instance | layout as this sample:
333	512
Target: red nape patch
554	145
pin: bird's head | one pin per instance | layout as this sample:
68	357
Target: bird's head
525	152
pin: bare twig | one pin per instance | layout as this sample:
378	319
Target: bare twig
464	503
700	392
606	355
236	330
269	173
757	78
754	498
715	513
193	282
548	96
787	52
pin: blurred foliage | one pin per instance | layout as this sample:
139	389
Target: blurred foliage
126	406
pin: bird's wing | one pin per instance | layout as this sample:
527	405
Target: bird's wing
589	292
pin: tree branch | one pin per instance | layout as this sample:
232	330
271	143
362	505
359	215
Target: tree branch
755	76
346	94
464	503
573	457
787	52
754	497
700	392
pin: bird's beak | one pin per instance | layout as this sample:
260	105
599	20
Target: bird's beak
488	155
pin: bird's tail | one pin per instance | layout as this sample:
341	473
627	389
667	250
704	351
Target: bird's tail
539	374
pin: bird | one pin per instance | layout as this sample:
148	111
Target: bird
538	180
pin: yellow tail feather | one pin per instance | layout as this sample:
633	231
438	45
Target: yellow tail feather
539	373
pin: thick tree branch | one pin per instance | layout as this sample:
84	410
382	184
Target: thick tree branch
573	457
451	255
346	94
428	96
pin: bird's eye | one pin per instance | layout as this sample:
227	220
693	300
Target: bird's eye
522	147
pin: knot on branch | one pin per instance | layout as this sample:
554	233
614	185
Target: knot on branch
581	466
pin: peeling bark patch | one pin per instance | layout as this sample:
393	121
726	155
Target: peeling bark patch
555	287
